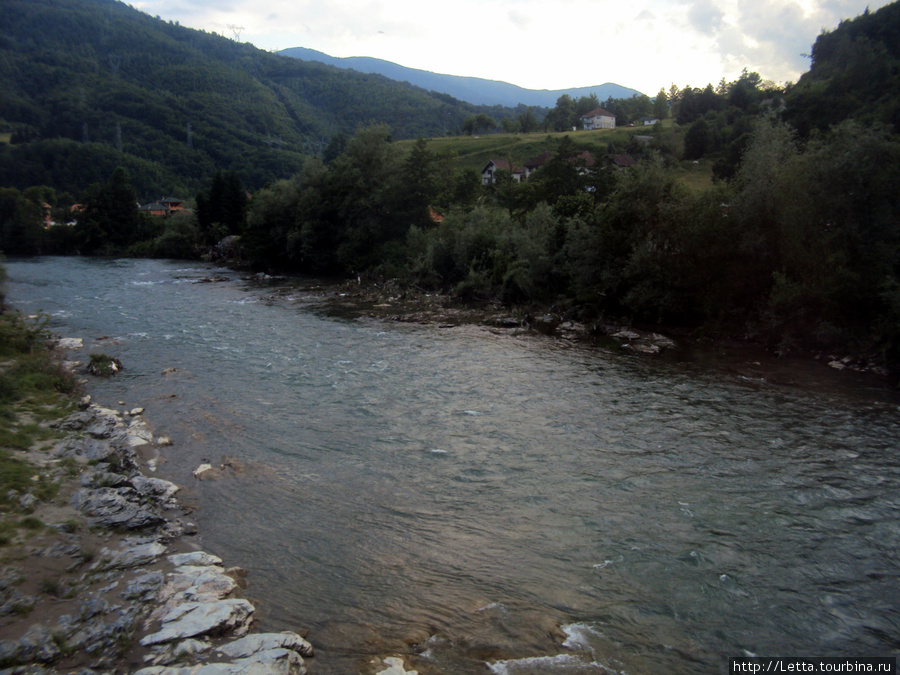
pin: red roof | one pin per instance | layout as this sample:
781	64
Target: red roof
623	160
598	112
585	159
540	160
503	164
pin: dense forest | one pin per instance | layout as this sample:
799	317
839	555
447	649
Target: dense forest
794	243
90	85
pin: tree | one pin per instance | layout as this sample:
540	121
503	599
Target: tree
421	179
562	117
478	123
696	140
528	122
110	220
222	208
561	176
661	105
20	224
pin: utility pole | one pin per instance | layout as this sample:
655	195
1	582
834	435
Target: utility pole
236	30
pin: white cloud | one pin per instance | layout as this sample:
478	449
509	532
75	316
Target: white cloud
537	44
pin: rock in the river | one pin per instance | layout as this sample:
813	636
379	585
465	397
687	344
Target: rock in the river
70	343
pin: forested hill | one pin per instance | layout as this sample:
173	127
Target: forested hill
89	85
472	89
854	74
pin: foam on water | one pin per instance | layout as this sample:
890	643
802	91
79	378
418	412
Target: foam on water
535	665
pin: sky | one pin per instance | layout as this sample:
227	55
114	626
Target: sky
647	45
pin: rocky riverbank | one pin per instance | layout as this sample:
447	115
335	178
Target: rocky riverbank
114	581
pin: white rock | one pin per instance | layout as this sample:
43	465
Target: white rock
395	666
273	662
136	556
261	642
195	558
154	487
199	618
70	343
202	469
138	433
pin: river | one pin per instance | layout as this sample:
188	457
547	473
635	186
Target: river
486	501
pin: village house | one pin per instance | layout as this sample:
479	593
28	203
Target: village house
165	206
598	119
623	161
489	172
173	203
583	161
533	165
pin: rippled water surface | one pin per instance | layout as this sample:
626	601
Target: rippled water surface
485	502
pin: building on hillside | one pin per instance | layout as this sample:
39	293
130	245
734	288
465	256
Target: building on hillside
489	172
173	203
536	163
164	206
648	121
598	119
584	161
623	161
154	209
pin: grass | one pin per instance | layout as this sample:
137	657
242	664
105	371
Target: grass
473	152
697	176
34	389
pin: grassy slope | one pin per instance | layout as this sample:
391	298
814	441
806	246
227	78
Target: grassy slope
474	152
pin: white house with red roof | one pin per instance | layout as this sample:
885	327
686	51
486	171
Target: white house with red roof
598	119
488	173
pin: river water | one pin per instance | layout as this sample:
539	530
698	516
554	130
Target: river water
481	501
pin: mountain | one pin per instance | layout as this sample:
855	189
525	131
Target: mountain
89	85
471	89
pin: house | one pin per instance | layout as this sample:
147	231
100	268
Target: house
154	209
584	161
598	119
533	165
649	121
164	206
622	161
173	203
488	173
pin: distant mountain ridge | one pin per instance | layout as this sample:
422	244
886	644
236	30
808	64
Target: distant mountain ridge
473	90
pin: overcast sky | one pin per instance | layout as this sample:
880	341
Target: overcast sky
540	44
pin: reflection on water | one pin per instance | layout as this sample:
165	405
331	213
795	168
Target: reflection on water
482	502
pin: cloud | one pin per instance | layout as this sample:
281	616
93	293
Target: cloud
705	16
655	42
519	19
